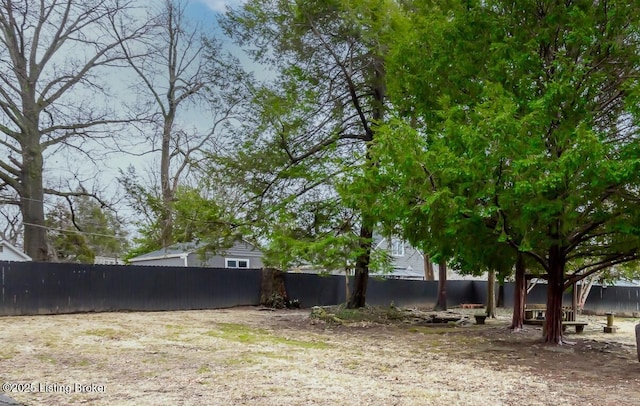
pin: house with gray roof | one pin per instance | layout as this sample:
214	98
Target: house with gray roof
408	262
241	255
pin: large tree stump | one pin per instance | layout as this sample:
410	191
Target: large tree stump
272	290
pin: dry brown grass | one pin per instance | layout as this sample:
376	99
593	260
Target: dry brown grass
246	356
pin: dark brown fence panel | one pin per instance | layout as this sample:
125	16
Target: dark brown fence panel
315	290
48	288
617	299
383	292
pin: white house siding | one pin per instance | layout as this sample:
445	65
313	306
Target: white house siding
10	256
101	260
10	253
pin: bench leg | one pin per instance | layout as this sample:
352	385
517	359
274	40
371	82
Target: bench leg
579	328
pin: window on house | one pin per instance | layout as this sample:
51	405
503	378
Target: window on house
236	263
397	247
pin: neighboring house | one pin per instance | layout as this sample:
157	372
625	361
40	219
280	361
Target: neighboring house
406	261
241	255
409	263
10	253
101	260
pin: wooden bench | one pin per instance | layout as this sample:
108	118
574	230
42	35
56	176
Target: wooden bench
534	322
568	314
535	306
535	314
579	325
534	311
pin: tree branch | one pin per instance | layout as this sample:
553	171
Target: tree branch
598	266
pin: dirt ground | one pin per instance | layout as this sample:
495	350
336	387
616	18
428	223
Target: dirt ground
248	356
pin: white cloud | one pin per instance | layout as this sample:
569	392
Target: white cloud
220	5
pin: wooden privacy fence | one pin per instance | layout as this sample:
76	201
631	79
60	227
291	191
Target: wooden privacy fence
29	288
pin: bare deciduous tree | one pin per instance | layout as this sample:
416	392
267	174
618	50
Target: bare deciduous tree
181	70
53	55
10	224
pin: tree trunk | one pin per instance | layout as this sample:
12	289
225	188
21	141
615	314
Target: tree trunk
519	295
500	303
491	295
585	289
574	301
358	298
272	289
347	288
361	277
166	213
32	202
441	304
428	268
555	289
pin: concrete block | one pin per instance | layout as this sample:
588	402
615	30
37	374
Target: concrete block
610	329
480	318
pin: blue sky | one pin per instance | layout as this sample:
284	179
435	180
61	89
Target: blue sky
218	5
198	10
205	11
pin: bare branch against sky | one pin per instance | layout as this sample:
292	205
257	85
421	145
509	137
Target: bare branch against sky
53	59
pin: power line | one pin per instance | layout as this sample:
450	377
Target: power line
71	231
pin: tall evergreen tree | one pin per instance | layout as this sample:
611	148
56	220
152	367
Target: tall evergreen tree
316	121
527	130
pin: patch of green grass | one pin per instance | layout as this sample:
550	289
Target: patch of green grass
82	363
47	359
241	333
318	345
204	369
255	358
248	335
353	365
247	359
109	333
8	352
273	355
